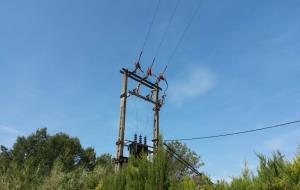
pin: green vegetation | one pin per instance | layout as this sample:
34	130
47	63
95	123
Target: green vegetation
42	161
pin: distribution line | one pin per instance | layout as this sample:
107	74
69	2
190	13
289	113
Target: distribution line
173	153
235	133
184	33
182	160
178	159
167	28
150	26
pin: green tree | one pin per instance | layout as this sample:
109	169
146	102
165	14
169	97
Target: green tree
175	167
31	158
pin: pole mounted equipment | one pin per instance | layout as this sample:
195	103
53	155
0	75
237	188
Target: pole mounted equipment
137	65
153	98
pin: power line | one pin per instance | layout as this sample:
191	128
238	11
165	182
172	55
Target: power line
137	64
184	33
182	160
178	159
173	153
236	133
167	28
150	26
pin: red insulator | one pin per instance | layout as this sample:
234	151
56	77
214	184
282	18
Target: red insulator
159	78
137	65
149	72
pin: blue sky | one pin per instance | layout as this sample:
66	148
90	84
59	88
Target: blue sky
237	68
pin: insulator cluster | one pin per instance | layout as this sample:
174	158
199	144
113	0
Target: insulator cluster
138	147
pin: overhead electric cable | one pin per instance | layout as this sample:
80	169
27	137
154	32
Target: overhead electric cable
178	159
173	153
151	25
167	28
184	33
235	133
182	160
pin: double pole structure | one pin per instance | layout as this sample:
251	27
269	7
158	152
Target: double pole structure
152	98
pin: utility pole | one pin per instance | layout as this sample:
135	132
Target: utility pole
153	98
156	117
120	142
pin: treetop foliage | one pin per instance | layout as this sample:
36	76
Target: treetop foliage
47	162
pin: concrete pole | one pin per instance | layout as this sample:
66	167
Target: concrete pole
120	141
156	117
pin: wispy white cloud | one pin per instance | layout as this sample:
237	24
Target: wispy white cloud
224	177
275	143
196	81
8	135
283	141
9	130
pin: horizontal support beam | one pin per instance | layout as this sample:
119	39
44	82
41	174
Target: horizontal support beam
140	79
143	97
140	96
